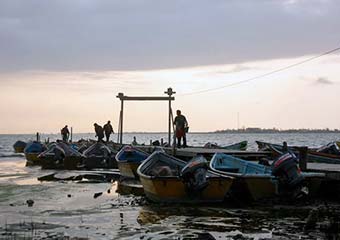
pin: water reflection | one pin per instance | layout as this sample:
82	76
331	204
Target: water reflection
208	222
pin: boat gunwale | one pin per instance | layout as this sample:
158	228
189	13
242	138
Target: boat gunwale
267	175
238	175
149	162
121	151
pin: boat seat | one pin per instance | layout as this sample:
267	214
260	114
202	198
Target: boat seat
228	169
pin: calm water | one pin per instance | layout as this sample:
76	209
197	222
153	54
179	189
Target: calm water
68	209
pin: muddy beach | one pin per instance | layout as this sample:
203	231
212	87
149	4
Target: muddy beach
31	209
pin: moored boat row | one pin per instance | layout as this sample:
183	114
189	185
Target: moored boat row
166	178
330	153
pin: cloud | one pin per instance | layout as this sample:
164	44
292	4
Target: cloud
236	69
84	35
323	81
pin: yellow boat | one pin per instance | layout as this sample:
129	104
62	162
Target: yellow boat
165	179
32	159
128	160
19	146
19	149
255	181
129	186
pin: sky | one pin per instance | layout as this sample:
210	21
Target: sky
64	62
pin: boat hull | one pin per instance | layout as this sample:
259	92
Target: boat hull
260	188
255	182
128	169
32	159
128	160
317	157
19	149
172	190
69	163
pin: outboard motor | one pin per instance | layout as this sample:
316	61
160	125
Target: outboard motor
194	175
288	172
59	154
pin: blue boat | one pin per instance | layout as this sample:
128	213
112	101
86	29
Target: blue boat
255	181
31	151
19	146
128	159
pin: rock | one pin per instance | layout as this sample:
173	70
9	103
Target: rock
69	195
312	219
109	191
49	177
97	194
30	202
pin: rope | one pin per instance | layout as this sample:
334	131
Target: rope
262	75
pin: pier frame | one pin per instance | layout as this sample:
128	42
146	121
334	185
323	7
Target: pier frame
123	98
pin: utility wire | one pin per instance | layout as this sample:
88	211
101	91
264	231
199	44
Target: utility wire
262	75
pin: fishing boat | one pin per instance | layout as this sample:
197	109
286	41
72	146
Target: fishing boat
168	179
264	146
61	155
236	146
99	155
255	181
31	151
329	153
128	159
19	146
324	154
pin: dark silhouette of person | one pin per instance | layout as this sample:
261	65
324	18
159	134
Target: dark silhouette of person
285	147
65	133
108	130
99	132
134	142
181	125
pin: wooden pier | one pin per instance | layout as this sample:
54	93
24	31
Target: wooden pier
332	171
190	152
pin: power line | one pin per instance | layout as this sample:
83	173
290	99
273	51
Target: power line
262	75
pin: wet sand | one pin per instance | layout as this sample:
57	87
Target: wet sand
68	210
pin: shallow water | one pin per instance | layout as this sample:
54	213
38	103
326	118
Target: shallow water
69	209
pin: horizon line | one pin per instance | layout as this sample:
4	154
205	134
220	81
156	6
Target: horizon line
246	130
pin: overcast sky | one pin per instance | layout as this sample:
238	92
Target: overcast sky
148	34
63	62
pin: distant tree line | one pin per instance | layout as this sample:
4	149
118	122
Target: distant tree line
275	130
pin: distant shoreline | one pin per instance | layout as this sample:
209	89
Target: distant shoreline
226	131
260	130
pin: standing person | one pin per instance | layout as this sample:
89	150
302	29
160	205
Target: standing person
181	126
99	132
65	133
108	130
134	142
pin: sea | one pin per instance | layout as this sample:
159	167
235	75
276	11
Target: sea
69	210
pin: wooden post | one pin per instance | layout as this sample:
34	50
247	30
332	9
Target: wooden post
169	133
174	136
119	121
121	95
71	134
303	151
38	137
123	98
169	92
